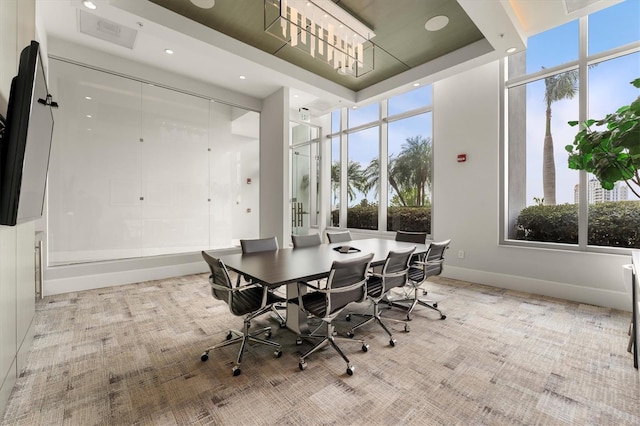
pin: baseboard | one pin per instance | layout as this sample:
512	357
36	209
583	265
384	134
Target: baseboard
7	386
591	296
111	279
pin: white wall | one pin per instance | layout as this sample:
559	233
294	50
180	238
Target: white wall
17	261
466	205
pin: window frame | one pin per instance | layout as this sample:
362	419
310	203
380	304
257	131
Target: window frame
582	65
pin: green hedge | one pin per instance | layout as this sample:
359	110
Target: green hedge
417	219
611	224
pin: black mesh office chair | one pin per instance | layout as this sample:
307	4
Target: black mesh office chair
301	241
394	274
259	245
249	301
338	236
422	267
347	283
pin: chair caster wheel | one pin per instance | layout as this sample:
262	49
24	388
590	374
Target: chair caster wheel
302	366
236	371
350	334
229	335
268	334
350	370
435	304
365	347
393	342
204	356
408	318
443	317
277	354
298	341
348	317
283	324
406	328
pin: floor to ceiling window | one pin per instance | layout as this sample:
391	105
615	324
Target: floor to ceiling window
581	70
384	174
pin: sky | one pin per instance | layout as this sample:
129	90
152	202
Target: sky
608	88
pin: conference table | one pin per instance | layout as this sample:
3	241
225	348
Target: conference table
287	266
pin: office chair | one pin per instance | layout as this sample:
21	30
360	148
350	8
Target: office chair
421	268
347	283
250	301
300	241
259	245
394	274
339	236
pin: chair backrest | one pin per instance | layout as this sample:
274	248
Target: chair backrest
258	245
435	257
396	268
220	277
411	237
347	283
338	236
310	240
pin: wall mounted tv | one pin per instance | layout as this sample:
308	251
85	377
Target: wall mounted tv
26	142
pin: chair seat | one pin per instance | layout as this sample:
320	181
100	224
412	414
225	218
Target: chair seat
374	287
315	303
250	300
416	274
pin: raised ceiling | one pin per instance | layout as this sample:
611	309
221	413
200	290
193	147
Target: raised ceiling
401	41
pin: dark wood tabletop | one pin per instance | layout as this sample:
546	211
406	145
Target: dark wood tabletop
287	265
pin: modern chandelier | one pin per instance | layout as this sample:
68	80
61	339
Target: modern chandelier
324	31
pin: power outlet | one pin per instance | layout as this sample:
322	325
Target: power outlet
460	254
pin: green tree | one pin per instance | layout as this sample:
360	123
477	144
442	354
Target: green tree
355	180
557	87
411	172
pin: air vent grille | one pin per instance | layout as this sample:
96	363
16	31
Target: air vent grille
106	30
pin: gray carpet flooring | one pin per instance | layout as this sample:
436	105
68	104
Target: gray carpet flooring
130	355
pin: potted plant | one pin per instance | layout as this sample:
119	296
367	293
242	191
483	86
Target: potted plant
611	153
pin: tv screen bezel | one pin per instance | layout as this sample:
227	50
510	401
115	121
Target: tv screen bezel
17	136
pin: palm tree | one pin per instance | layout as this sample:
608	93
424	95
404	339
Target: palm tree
355	180
409	173
412	171
557	87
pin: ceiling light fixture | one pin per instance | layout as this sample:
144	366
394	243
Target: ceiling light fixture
324	31
168	51
89	5
242	77
436	23
416	84
511	49
204	4
88	98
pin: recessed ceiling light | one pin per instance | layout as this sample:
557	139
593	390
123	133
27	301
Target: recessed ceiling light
416	84
436	23
354	107
511	49
88	116
204	4
168	51
88	98
242	77
89	5
295	96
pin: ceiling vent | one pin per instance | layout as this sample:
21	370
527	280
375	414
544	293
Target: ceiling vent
106	30
575	5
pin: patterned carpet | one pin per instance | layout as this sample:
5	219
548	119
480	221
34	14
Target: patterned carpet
130	355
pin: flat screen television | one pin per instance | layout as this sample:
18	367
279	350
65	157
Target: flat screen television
26	142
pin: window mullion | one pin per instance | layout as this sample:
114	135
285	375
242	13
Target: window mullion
583	102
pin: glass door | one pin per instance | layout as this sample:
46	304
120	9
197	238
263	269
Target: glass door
304	177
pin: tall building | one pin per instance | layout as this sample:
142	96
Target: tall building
597	194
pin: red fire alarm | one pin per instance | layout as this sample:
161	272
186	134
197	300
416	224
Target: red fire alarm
462	158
